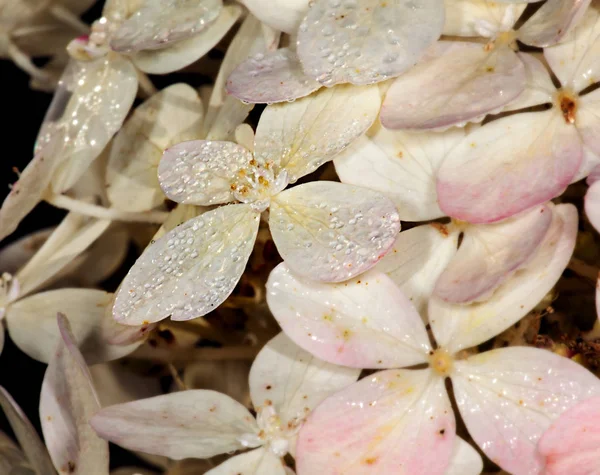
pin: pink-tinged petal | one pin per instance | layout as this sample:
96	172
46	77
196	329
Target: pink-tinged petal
275	76
592	204
363	323
539	88
191	270
552	22
283	15
368	41
510	396
400	164
476	82
572	443
417	259
256	462
67	402
487	178
396	421
465	460
457	326
293	381
490	253
331	232
193	423
464	17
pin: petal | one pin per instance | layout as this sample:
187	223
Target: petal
116	384
508	397
32	324
12	460
303	135
191	270
293	381
283	15
401	165
490	253
570	445
87	110
485	178
462	326
367	42
276	76
192	423
464	17
67	402
588	121
365	323
256	462
465	460
158	23
396	421
539	88
417	259
331	232
16	254
592	204
552	22
477	82
170	116
182	53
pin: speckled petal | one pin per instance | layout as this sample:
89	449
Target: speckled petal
303	135
272	77
490	253
67	402
465	459
486	179
400	164
363	323
172	115
466	17
367	41
571	444
396	421
331	232
458	326
193	423
256	462
477	82
202	172
161	22
284	15
508	398
191	270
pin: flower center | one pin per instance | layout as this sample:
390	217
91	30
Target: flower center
441	362
257	183
567	103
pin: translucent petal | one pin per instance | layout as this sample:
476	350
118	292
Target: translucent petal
464	17
161	22
363	323
592	204
462	326
465	460
293	381
32	324
508	397
400	164
485	178
332	232
191	270
489	254
170	116
12	460
368	41
283	15
391	420
87	109
417	259
276	76
67	402
570	445
202	172
477	82
303	135
256	462
193	423
539	88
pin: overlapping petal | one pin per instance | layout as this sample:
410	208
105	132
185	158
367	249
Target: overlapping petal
466	17
284	15
259	461
465	460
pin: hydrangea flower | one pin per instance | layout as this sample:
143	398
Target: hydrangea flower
203	423
403	417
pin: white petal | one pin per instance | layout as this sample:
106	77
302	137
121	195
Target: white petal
303	135
191	270
401	165
508	398
293	381
364	323
67	402
193	423
284	15
592	204
465	460
172	115
256	462
462	326
16	254
396	421
539	88
331	232
368	41
463	17
588	125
